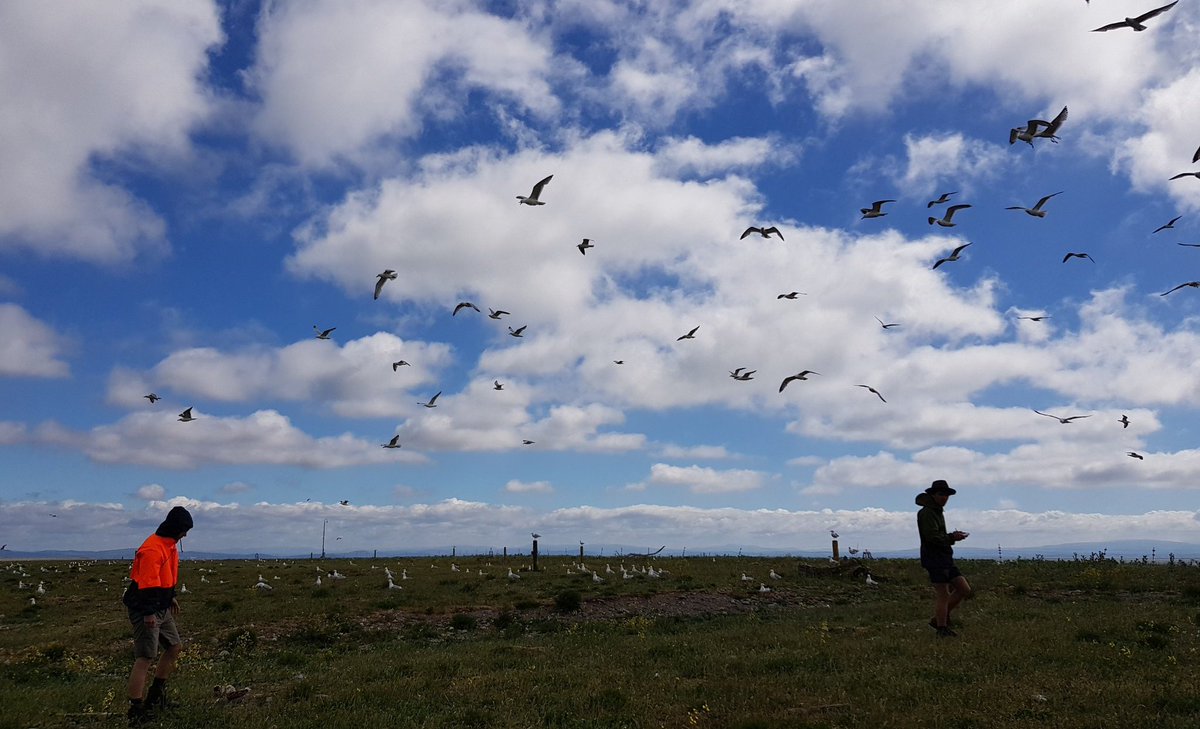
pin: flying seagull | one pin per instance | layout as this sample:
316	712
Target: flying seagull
526	441
186	416
1186	174
1124	421
1064	421
1132	454
876	209
1035	318
343	502
1135	23
152	398
1193	284
1038	128
532	198
1036	211
387	275
742	376
397	365
945	221
432	401
1196	156
585	245
803	375
618	361
1171	224
393	443
885	326
872	389
791	295
323	334
943	199
689	335
764	232
953	255
464	305
518	332
1077	255
1189	245
496	313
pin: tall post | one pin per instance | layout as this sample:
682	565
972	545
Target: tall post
323	523
836	558
581	553
535	566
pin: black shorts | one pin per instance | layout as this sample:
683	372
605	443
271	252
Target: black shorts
943	573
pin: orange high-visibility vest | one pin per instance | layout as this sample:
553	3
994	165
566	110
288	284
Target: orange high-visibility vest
156	563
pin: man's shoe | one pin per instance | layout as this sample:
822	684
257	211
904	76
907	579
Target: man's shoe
138	715
156	699
946	633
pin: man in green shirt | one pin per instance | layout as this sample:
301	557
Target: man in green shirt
937	556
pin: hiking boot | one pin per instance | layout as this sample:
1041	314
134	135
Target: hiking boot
933	623
156	699
946	633
138	715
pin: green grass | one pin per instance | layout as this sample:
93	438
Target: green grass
1070	644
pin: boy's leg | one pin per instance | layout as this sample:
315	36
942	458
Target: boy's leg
137	678
941	603
962	591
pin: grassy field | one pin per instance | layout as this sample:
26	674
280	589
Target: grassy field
1087	643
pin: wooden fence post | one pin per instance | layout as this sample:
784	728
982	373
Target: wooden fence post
535	566
836	558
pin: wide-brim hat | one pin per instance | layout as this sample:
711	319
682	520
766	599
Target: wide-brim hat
940	487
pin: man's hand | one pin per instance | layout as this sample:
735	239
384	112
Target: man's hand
959	536
175	604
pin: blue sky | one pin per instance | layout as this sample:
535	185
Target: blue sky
190	188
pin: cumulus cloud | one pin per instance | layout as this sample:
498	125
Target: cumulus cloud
66	109
151	492
528	487
31	347
700	480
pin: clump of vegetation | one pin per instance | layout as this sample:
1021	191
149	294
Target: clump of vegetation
568	601
462	621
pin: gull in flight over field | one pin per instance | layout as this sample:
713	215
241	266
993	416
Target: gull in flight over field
876	209
1137	23
1171	224
946	220
798	376
1062	420
584	246
398	364
152	398
689	335
393	443
1036	211
432	401
945	198
1193	284
764	232
952	257
323	334
1124	421
186	416
518	332
463	305
496	313
387	275
532	198
1069	256
872	389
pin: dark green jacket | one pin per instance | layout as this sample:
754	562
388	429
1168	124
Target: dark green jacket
936	543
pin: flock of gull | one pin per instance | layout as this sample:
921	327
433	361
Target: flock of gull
1030	132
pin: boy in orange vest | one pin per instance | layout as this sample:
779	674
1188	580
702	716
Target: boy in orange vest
152	606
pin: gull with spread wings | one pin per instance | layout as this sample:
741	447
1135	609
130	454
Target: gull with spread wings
764	232
1062	420
1036	211
532	198
1137	23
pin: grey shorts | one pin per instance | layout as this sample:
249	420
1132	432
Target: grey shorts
146	639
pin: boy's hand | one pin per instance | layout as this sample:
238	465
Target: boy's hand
174	606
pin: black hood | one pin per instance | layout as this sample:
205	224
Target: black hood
178	522
925	499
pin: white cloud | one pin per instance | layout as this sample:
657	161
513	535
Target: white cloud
151	492
697	452
951	158
700	480
528	487
31	347
235	487
691	156
98	82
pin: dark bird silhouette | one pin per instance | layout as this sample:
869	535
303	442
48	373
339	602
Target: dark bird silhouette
872	389
943	199
186	416
1135	23
152	398
738	374
802	375
1189	245
1035	318
496	385
1186	174
463	305
585	245
791	295
1124	421
1035	128
526	441
1132	454
618	361
532	198
689	335
1062	420
1193	284
1036	211
518	332
393	443
952	257
397	365
1077	255
323	333
885	326
432	401
387	275
1167	225
876	209
1196	156
497	313
344	502
945	221
764	232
